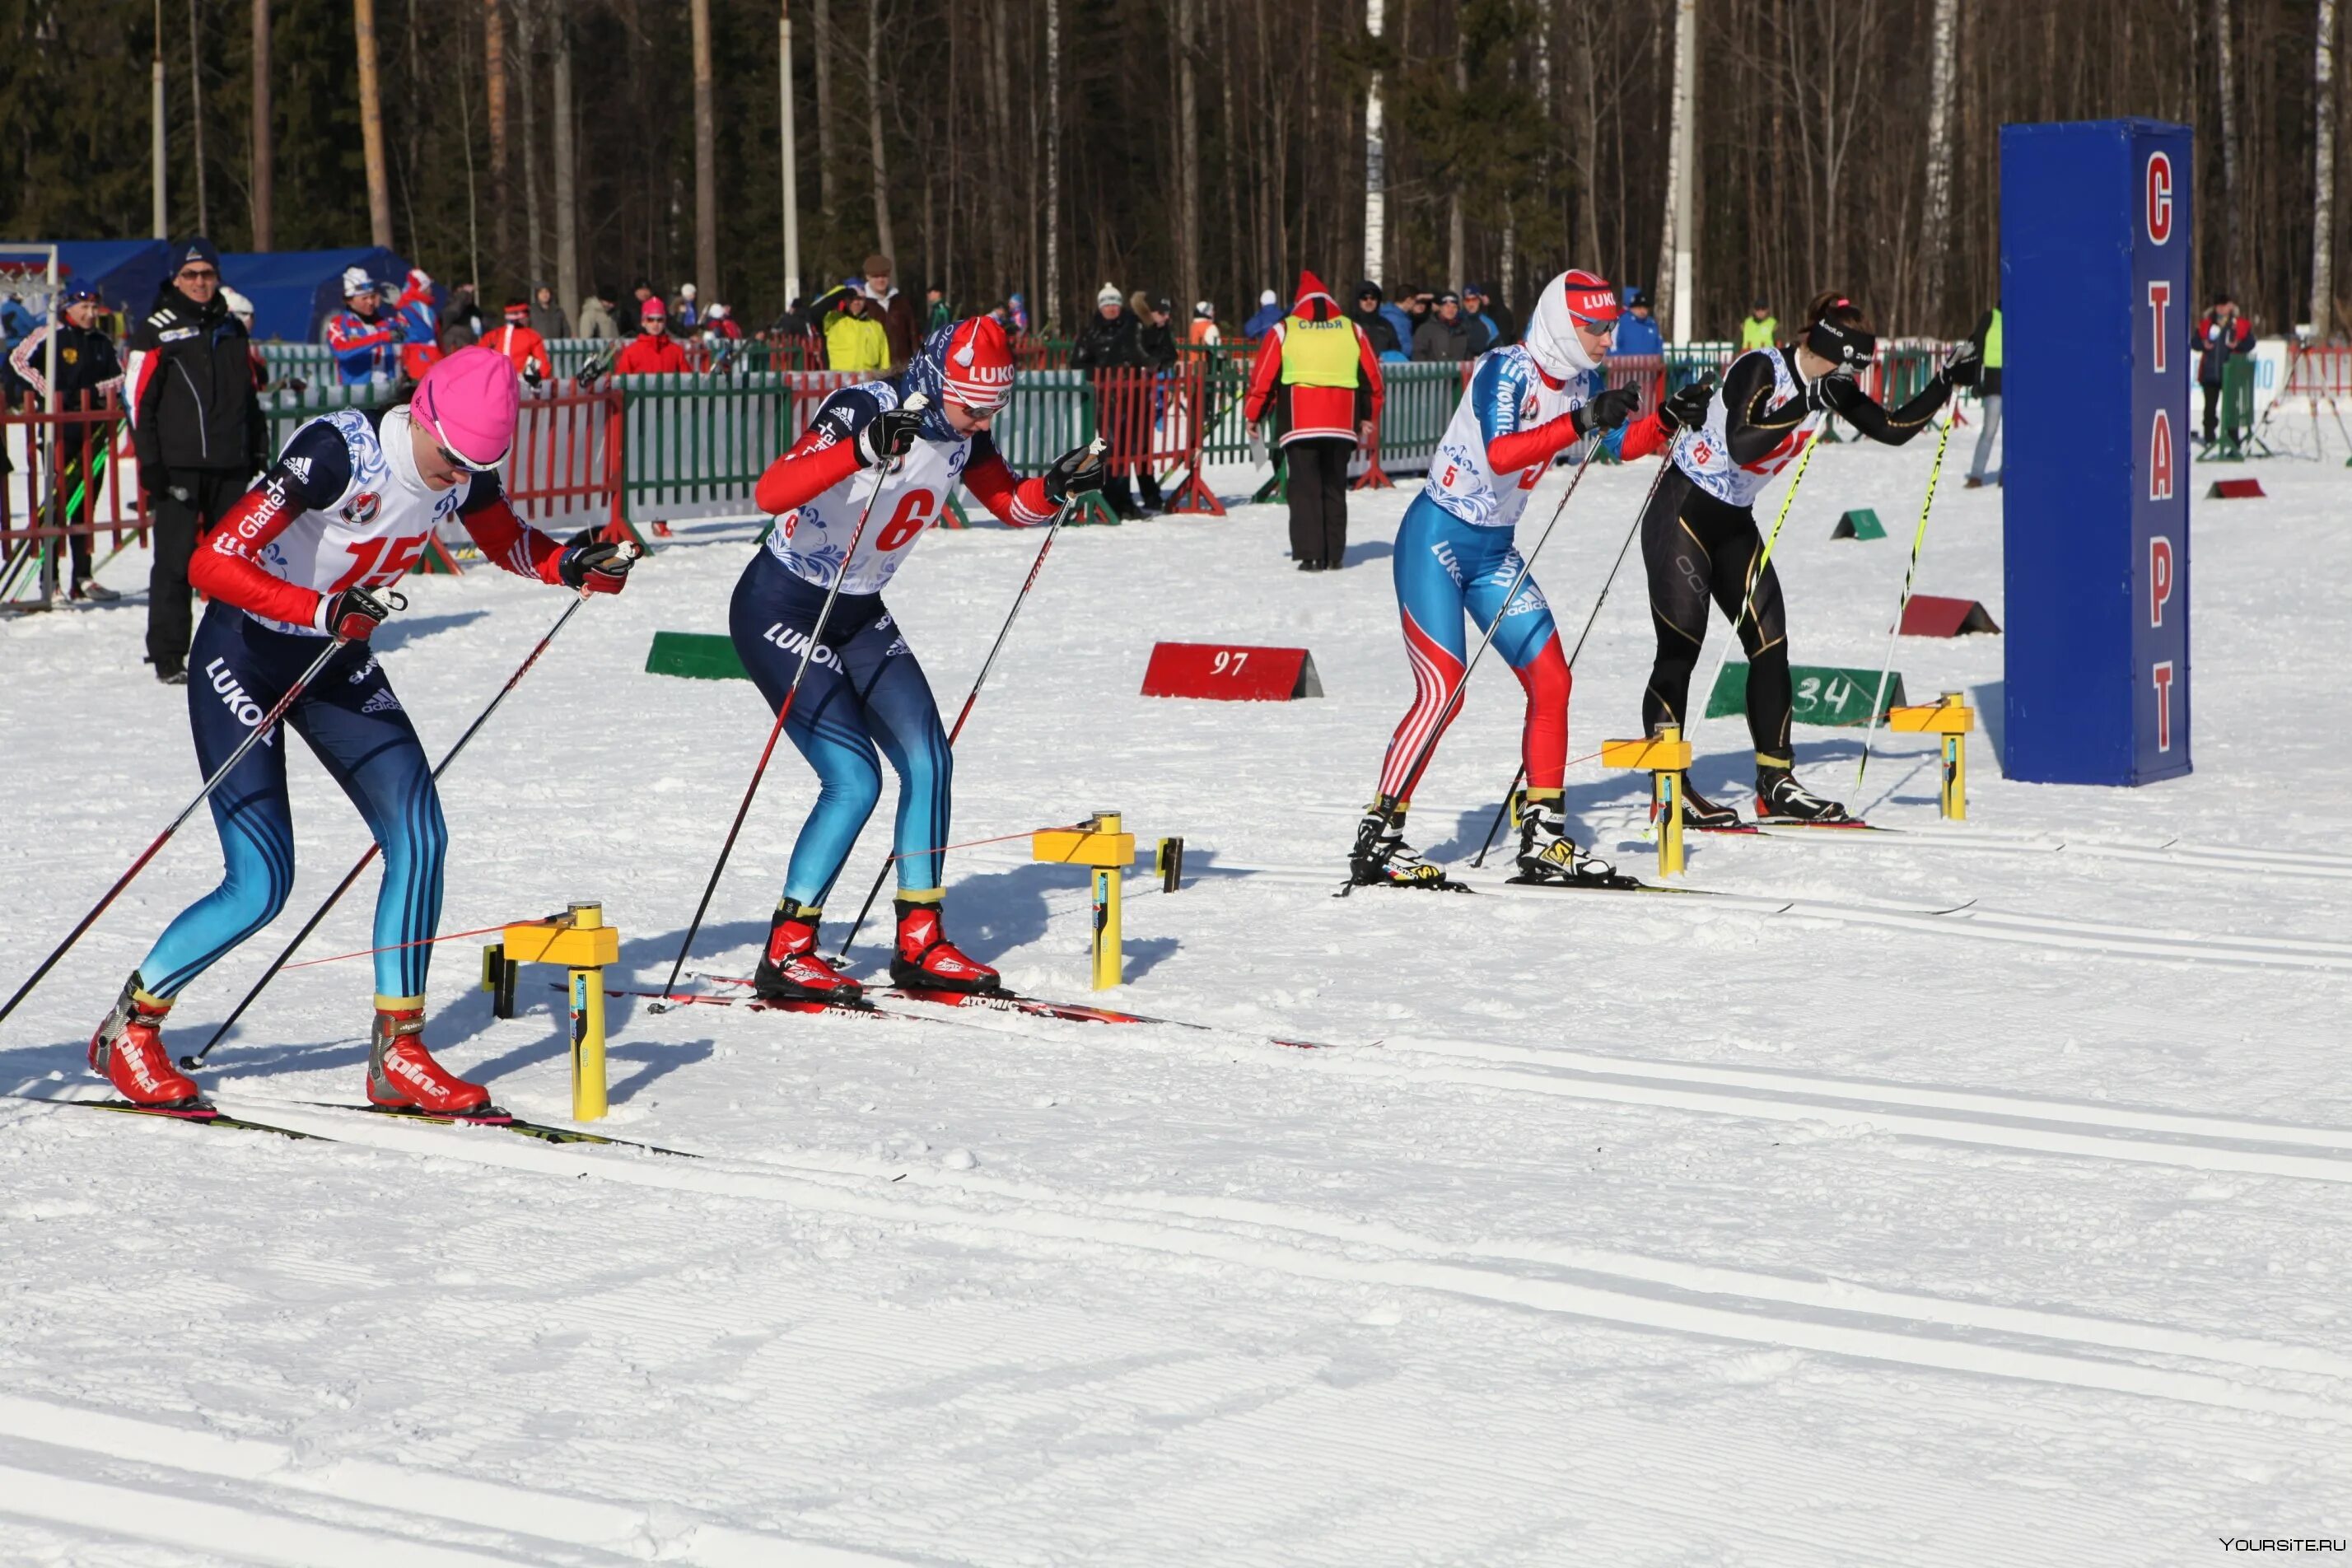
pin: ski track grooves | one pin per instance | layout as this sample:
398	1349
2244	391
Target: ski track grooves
186	1487
1967	921
1824	1317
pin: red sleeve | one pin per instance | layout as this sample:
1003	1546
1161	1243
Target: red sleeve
1536	443
1368	366
343	341
1021	503
512	542
1264	377
1643	437
806	472
224	568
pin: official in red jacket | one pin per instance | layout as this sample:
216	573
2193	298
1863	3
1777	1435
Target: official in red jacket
1319	380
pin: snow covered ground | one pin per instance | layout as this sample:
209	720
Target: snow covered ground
1807	1228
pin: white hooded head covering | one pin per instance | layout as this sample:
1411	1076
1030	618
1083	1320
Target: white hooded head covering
1574	296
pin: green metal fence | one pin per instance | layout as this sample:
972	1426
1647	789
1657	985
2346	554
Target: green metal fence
700	442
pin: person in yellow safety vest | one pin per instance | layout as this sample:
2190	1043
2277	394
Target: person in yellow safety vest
854	340
1318	379
1761	329
1989	398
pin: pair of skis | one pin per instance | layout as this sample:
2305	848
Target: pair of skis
210	1115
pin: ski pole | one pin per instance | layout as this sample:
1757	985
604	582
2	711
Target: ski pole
784	711
1096	446
191	1062
1747	601
1666	463
269	722
1389	809
1918	538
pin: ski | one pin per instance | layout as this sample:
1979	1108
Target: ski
501	1121
192	1115
1618	883
1000	1001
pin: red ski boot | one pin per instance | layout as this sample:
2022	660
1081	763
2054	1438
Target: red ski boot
927	960
403	1075
128	1052
791	970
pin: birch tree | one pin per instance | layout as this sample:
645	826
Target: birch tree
2323	171
1942	41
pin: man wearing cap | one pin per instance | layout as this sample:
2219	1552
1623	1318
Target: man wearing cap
1486	324
303	557
1444	337
1319	382
1637	332
196	425
523	347
1109	347
1761	329
1372	321
893	310
872	473
88	378
366	345
1269	312
653	351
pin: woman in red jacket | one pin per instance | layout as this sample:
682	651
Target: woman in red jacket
1319	380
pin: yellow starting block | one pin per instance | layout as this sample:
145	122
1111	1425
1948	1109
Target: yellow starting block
581	942
1952	718
1665	757
1101	845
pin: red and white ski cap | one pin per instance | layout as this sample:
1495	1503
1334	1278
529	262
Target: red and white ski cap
1592	299
977	369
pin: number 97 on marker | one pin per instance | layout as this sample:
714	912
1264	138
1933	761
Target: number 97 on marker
1231	672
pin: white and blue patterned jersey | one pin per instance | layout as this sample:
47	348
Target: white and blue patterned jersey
1506	394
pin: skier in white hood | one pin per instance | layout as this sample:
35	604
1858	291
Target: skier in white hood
1454	557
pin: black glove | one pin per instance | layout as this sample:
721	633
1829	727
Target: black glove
352	614
889	435
1609	410
530	374
1964	362
597	565
1686	409
1075	472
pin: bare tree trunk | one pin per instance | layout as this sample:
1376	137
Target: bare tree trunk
2323	164
873	127
1942	42
706	173
1187	161
1456	245
1376	160
265	147
1673	304
789	151
379	183
494	83
2231	192
527	63
196	114
567	179
826	176
1000	115
1051	309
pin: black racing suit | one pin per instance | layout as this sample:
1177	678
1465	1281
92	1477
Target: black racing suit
1697	548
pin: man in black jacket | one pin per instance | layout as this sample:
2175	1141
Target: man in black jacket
196	425
88	378
1376	326
1112	340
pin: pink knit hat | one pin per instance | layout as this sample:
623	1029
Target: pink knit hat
467	402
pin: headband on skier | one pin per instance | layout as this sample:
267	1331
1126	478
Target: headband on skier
1847	349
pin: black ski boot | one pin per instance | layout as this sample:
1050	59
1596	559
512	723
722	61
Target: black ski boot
1546	854
1703	815
1382	858
1781	798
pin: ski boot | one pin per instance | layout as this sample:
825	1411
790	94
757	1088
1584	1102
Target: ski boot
791	970
1382	858
1781	798
403	1075
926	960
1546	854
1700	813
128	1052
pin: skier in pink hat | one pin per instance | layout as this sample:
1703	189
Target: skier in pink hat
347	509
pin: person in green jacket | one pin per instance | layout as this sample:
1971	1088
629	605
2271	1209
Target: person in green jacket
1761	329
1989	398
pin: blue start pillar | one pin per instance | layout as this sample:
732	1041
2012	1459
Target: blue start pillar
2097	318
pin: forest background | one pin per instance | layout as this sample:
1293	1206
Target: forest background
1205	149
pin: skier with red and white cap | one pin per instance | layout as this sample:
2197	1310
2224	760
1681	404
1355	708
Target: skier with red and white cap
345	509
1526	403
863	687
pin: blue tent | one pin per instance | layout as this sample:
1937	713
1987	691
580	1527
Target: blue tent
126	272
294	291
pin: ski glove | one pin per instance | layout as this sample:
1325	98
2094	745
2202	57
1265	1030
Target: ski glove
1964	362
1686	409
596	565
887	436
352	614
1609	410
1075	472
